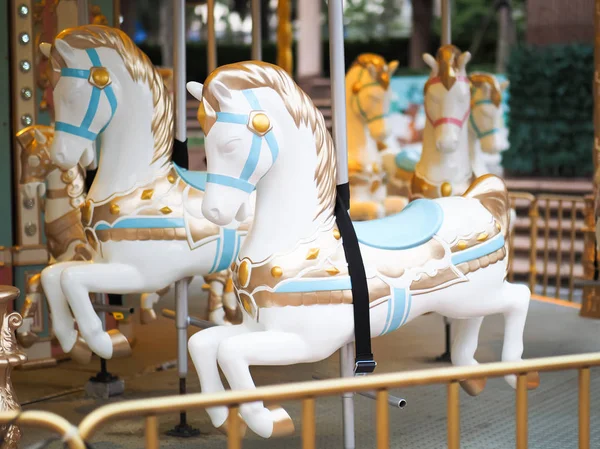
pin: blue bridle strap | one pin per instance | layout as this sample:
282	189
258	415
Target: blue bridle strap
83	130
242	183
478	132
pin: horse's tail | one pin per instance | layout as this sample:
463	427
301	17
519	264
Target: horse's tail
491	191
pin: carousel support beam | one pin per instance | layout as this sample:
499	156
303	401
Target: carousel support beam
446	21
256	31
285	58
309	63
83	13
212	37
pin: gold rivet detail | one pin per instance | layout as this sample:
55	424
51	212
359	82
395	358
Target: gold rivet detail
313	253
114	209
498	227
276	272
147	194
261	123
461	244
446	189
244	273
481	237
336	234
166	210
205	286
332	271
356	88
86	212
171	179
99	77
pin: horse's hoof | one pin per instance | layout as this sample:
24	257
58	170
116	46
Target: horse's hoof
282	423
27	339
473	387
120	344
81	352
533	380
147	316
242	424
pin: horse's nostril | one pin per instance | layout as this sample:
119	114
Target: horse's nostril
214	213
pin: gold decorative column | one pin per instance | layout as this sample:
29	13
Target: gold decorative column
10	356
285	36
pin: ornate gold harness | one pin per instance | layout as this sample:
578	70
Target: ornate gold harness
422	188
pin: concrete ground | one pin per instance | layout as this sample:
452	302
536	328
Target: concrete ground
486	421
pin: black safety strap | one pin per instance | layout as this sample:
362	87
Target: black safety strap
364	361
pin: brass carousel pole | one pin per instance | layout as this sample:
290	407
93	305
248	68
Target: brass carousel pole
256	31
285	37
10	356
212	38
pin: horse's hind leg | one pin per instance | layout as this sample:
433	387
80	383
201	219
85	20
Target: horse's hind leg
463	351
147	303
517	299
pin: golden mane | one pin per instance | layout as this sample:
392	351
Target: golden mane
140	69
366	60
252	75
480	79
447	60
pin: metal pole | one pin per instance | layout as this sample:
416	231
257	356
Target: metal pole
338	86
347	370
179	69
212	40
446	20
256	31
83	14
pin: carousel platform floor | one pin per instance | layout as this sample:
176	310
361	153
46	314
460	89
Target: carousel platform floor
487	421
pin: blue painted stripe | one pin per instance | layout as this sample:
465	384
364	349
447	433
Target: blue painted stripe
388	319
217	255
76	130
315	285
253	157
477	103
230	181
228	253
478	251
478	133
92	109
229	117
273	146
112	99
144	223
399	305
93	55
251	97
75	73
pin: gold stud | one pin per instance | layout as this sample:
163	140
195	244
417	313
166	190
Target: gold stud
166	210
498	227
261	123
114	209
481	237
171	179
99	77
86	212
461	244
205	286
356	88
147	194
276	272
244	273
332	271
446	189
336	234
313	253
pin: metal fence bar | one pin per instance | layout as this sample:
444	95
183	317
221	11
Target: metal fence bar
309	431
534	214
46	420
559	246
572	254
584	408
453	415
383	420
546	249
234	435
151	432
522	411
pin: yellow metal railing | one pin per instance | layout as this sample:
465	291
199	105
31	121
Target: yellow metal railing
308	392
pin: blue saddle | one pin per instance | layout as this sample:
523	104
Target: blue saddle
415	225
196	179
407	159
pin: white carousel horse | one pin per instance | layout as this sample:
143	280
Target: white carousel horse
447	256
142	215
368	97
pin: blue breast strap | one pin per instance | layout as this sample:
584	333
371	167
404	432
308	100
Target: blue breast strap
243	183
83	130
478	132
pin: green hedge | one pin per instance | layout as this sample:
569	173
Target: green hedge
551	111
227	53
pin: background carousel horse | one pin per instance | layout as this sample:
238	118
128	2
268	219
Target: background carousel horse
142	215
367	104
487	135
447	256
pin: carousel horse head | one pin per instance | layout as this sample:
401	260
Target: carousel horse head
487	117
248	111
95	70
35	142
447	96
369	97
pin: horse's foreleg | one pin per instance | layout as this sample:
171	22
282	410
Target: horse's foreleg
147	303
78	281
463	351
216	312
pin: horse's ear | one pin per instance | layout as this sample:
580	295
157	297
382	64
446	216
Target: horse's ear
504	85
392	66
463	60
220	91
46	48
431	62
195	89
64	50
